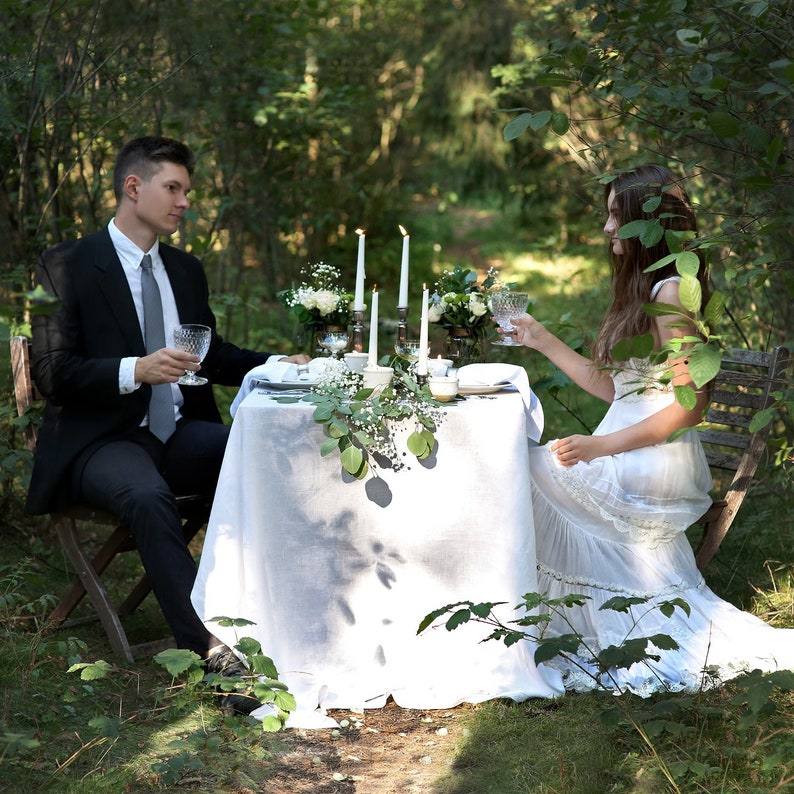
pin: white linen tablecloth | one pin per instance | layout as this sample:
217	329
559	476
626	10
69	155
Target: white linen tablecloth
337	574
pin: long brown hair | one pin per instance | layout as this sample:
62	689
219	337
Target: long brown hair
631	285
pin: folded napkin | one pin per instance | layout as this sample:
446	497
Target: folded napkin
276	370
493	375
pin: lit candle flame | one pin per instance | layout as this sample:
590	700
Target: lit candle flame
403	230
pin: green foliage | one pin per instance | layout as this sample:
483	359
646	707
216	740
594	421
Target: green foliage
671	728
709	85
261	681
359	421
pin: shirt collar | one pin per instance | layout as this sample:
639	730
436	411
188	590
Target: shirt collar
128	251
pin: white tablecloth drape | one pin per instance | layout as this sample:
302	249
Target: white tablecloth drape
337	574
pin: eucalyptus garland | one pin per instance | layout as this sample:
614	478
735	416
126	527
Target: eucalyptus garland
360	423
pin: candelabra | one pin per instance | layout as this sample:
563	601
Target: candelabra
402	323
357	344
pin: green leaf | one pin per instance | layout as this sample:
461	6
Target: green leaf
659	309
352	460
687	263
285	701
262	665
622	603
664	642
106	726
271	724
322	413
337	429
651	204
690	293
328	446
686	396
560	123
92	671
723	124
691	39
482	610
761	419
649	231
704	363
540	119
458	618
417	445
517	126
232	622
625	655
433	616
177	660
665	260
248	646
634	347
715	309
549	647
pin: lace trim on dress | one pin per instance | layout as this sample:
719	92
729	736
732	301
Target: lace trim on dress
651	531
617	587
652	681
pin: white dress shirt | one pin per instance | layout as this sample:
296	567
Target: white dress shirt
130	255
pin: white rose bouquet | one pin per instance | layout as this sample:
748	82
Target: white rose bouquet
319	299
460	302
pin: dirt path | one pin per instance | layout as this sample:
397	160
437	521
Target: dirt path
383	751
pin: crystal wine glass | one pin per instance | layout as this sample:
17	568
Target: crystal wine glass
335	342
195	339
505	305
408	349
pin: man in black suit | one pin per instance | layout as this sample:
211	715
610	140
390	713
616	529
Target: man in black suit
90	362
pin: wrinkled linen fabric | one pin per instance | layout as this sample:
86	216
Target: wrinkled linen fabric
277	370
615	526
493	374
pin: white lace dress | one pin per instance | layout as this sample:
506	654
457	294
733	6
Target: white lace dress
615	526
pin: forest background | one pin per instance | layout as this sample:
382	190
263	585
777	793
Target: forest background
485	127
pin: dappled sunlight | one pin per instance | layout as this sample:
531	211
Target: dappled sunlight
562	275
774	602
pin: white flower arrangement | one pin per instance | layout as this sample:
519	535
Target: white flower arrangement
360	423
319	299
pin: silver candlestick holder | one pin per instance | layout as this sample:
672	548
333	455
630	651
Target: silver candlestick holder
357	342
402	323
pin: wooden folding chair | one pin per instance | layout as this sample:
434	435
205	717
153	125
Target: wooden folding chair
743	386
194	510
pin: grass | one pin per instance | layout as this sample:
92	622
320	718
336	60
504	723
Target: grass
135	731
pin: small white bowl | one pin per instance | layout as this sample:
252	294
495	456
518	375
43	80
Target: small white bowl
356	361
375	376
443	388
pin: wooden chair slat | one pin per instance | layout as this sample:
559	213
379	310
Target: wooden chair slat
724	438
737	399
729	418
743	386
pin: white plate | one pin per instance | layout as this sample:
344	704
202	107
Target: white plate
285	384
479	388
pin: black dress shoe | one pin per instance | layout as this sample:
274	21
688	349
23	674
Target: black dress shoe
225	662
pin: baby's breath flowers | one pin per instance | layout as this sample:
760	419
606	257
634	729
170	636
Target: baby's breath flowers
361	423
319	298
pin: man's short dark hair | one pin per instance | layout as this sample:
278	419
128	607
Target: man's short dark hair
144	158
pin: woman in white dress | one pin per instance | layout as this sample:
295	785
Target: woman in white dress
611	509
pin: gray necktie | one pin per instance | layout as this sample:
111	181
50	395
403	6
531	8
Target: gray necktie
161	403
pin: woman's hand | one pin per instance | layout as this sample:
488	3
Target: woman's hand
573	449
529	332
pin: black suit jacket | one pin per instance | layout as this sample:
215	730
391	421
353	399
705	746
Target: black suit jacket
77	350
